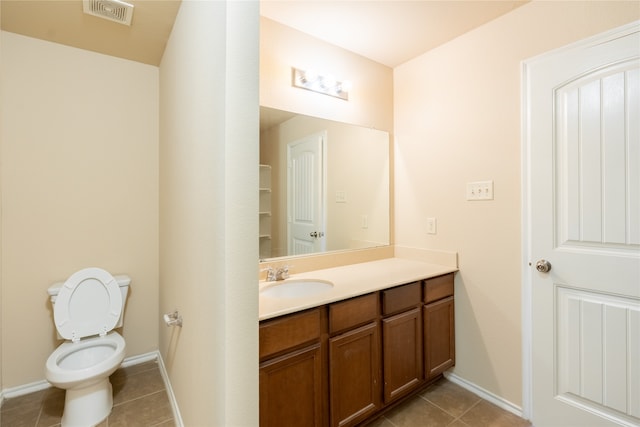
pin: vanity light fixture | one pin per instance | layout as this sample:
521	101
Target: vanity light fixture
326	85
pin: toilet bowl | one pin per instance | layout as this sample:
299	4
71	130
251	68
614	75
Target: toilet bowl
87	307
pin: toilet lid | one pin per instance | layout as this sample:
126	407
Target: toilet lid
89	303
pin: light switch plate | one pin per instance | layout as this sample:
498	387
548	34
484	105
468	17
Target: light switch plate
431	226
480	190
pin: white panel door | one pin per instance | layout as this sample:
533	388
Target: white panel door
582	124
305	195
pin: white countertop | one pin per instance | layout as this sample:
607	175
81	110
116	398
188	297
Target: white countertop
350	281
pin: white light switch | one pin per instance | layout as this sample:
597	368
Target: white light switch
431	225
480	190
341	197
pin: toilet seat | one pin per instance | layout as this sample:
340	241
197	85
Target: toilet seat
89	303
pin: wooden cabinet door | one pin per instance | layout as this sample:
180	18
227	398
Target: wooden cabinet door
439	336
291	389
354	377
402	350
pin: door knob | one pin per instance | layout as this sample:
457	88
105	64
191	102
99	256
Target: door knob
313	234
543	266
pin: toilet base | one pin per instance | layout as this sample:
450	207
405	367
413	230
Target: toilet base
87	406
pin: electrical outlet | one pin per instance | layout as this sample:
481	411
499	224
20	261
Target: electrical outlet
431	225
480	190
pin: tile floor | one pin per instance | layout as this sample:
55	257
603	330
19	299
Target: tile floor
139	399
447	404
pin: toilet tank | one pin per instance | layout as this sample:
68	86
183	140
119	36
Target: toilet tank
122	279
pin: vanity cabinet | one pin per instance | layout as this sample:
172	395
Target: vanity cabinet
354	360
292	371
439	331
342	364
402	340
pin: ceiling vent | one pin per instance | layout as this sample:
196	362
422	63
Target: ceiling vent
113	10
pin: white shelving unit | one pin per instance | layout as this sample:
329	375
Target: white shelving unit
265	211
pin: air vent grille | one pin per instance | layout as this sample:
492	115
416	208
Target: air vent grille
113	10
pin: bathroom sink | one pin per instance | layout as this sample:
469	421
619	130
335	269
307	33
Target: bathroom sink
296	288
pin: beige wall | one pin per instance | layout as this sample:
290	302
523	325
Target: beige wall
208	211
370	101
457	112
79	178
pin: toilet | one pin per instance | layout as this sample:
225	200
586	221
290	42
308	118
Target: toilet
86	309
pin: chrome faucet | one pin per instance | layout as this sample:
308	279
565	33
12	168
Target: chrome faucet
282	273
274	274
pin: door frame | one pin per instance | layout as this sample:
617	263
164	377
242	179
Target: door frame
526	205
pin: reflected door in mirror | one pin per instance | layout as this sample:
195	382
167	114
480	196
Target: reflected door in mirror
306	201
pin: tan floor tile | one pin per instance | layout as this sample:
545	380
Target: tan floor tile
24	403
142	385
18	418
486	414
450	397
419	413
145	411
52	408
127	387
133	370
381	422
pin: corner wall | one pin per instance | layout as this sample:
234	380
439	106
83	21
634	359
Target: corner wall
457	119
208	211
79	148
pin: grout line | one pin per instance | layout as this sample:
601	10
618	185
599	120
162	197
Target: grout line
470	408
140	397
39	413
390	422
455	418
161	422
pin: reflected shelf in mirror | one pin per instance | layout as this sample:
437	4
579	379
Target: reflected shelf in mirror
327	188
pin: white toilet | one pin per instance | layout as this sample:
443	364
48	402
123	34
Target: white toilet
86	309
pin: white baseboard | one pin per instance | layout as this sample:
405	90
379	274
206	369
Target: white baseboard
21	390
172	398
129	361
485	394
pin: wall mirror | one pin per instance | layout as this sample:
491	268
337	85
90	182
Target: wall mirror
324	185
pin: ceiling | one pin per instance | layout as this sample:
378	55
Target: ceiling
63	21
387	31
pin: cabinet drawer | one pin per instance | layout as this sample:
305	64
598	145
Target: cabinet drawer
401	298
289	331
357	311
438	288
